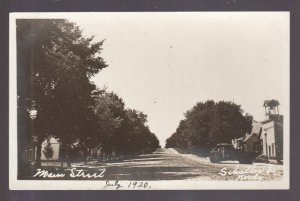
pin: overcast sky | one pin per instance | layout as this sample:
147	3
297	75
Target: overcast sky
164	63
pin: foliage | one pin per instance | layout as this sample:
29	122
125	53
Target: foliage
54	65
139	136
210	123
121	130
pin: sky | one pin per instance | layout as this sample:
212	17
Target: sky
164	63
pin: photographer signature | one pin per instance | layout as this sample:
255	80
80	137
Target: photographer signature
252	173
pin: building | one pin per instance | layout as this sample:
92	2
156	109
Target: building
252	141
266	137
272	131
50	149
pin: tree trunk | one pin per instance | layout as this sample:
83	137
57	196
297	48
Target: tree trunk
68	162
21	162
101	156
38	155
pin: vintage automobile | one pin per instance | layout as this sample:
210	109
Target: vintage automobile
226	152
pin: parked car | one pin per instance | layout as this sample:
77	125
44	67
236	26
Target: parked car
226	152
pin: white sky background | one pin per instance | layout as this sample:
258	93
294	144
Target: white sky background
164	63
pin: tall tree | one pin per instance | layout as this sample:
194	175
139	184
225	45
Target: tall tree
110	114
55	63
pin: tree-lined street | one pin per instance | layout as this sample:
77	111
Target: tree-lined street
93	129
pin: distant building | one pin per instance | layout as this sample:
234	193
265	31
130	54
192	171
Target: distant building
50	149
252	141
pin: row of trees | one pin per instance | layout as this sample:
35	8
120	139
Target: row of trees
210	123
121	130
56	97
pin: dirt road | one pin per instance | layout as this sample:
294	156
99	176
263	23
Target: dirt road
168	164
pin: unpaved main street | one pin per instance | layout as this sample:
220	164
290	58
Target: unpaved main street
168	164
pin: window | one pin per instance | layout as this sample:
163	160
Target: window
257	146
273	149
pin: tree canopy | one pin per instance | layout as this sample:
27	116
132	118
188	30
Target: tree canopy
122	130
210	123
55	63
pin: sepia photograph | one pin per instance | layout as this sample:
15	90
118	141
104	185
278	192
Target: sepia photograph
149	100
